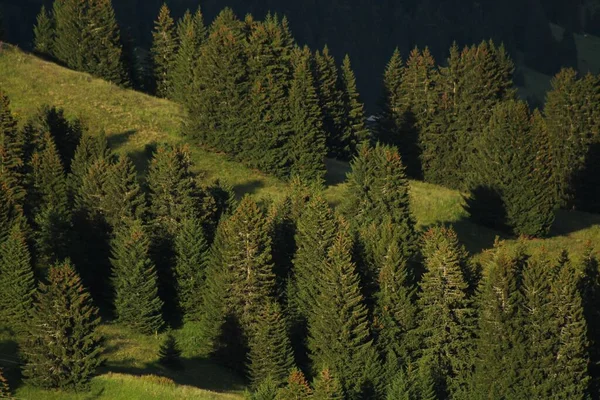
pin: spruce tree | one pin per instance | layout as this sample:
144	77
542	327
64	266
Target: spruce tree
16	279
71	32
7	213
306	146
355	130
191	260
134	279
164	49
169	354
266	390
270	351
391	121
509	169
43	33
339	336
446	319
90	149
11	153
330	94
326	387
297	387
63	348
590	293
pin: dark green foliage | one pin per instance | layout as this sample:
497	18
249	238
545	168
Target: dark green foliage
70	32
169	354
90	149
191	260
11	153
508	164
297	387
416	382
4	388
339	336
16	279
62	349
270	351
135	281
326	387
266	390
191	32
590	293
43	33
391	121
355	130
331	101
7	213
164	49
446	320
306	146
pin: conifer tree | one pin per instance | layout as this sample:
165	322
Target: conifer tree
43	33
90	149
270	351
391	121
355	129
4	388
339	336
11	153
63	348
16	279
330	94
415	382
135	281
446	320
7	213
326	387
297	387
266	390
306	146
164	49
191	260
590	292
509	168
71	32
169	354
191	33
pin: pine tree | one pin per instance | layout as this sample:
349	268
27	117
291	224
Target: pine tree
191	33
71	32
590	293
446	320
63	348
191	260
4	388
270	351
306	146
16	279
569	367
509	168
7	213
43	33
169	354
164	49
355	130
297	387
391	121
339	336
135	281
11	153
90	149
326	387
330	94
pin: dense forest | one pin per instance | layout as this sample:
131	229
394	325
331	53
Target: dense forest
303	298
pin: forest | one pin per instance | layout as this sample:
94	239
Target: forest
296	295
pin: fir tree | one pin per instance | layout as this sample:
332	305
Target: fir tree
16	279
7	213
331	102
169	354
355	130
63	348
590	292
191	260
307	142
164	49
339	336
270	351
11	153
43	33
266	390
71	32
326	387
391	121
135	281
446	320
297	387
90	149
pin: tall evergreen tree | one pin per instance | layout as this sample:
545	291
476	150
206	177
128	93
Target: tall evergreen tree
339	336
63	348
11	153
270	351
590	292
326	387
71	32
297	387
90	149
355	130
164	49
135	281
16	279
391	120
306	146
43	33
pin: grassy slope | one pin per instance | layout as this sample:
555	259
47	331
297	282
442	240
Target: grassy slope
133	120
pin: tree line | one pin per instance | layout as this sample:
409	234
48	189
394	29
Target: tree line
304	300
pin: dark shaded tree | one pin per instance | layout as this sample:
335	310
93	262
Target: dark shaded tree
164	50
43	33
11	153
355	130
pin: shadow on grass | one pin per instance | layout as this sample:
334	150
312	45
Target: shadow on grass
118	140
336	171
10	361
141	159
249	187
567	222
474	237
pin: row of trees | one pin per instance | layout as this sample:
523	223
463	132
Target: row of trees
461	125
354	297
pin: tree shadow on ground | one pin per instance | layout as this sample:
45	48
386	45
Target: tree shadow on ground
142	158
249	187
10	362
117	140
570	221
336	171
